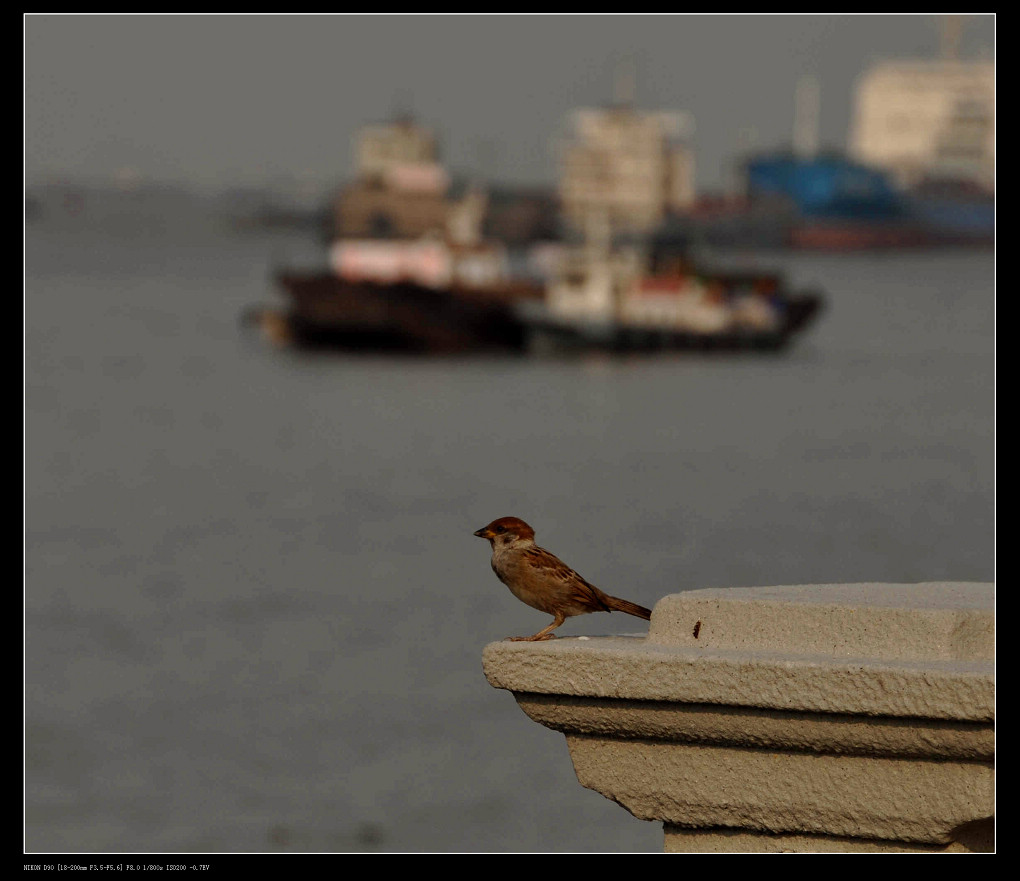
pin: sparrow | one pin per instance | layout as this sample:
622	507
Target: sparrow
542	580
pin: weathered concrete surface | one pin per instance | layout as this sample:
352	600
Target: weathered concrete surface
949	621
783	791
627	667
756	728
836	713
979	838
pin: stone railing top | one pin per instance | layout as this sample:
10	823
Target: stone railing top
950	621
923	650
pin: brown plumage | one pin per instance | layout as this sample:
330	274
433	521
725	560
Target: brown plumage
542	580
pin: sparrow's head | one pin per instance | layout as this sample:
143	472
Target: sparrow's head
507	531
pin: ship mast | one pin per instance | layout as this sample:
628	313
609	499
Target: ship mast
806	117
952	28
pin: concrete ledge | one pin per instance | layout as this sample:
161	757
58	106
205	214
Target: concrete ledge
843	714
754	728
639	669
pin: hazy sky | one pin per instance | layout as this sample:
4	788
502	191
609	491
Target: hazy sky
217	100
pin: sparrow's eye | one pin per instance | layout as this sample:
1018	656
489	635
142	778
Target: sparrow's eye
500	529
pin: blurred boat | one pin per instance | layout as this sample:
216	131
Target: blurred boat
411	269
720	329
611	301
408	297
830	203
411	280
721	312
324	311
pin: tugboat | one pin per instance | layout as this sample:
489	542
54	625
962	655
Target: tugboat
442	292
411	269
597	299
634	299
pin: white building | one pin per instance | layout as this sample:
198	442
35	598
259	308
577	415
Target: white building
399	147
628	165
927	119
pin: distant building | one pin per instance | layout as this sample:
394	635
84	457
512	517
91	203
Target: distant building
401	219
627	166
383	147
367	209
925	120
400	190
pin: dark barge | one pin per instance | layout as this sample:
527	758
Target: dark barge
324	311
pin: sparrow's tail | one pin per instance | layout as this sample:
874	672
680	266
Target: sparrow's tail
617	605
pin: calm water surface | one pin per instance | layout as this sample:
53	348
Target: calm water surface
254	607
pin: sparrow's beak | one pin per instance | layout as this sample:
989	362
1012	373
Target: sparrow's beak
483	532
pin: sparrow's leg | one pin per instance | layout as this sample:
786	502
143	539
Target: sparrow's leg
544	633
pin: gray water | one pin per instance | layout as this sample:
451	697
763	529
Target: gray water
255	611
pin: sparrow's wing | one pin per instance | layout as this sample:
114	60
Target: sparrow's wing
573	585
